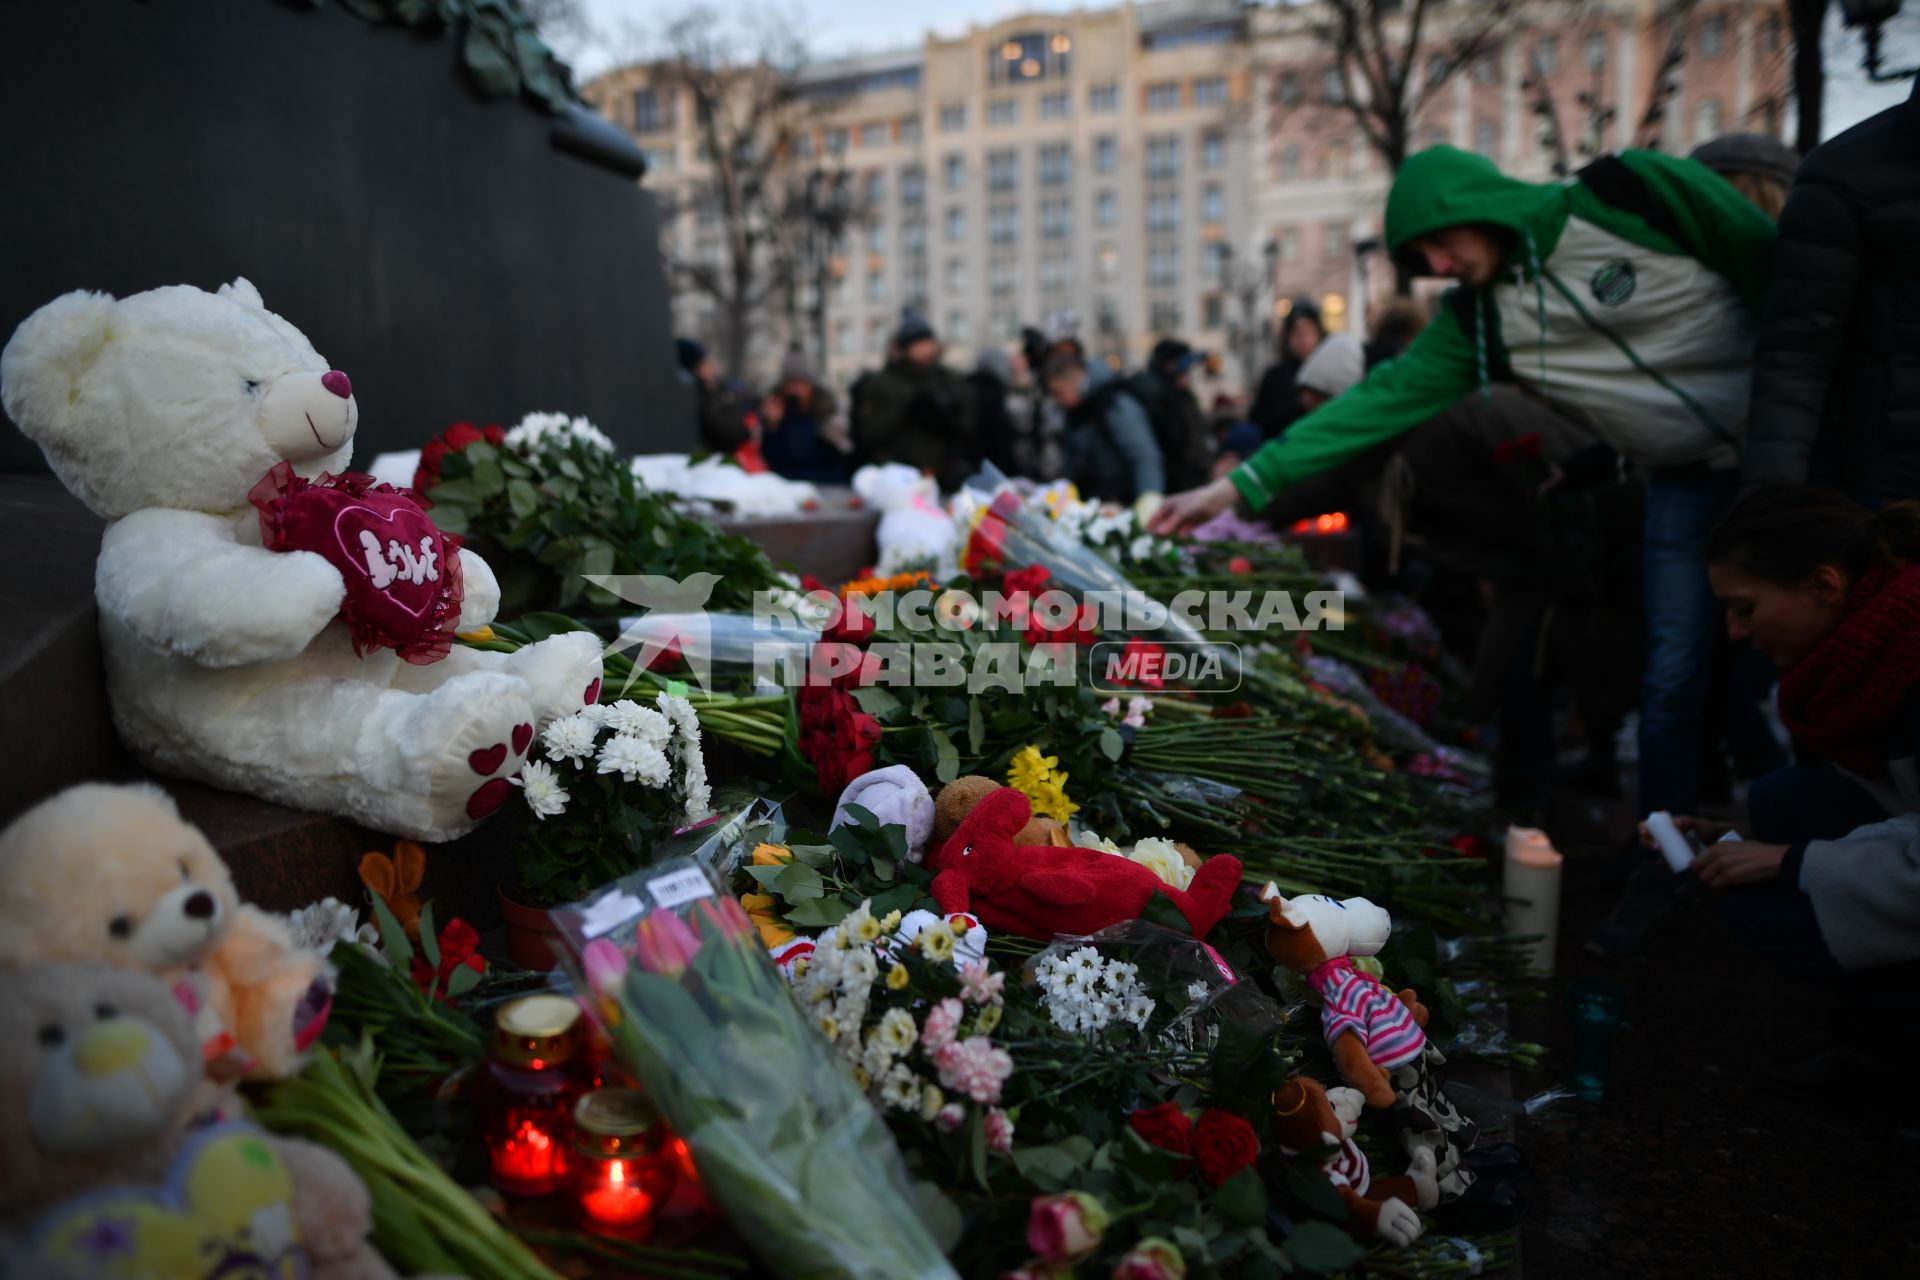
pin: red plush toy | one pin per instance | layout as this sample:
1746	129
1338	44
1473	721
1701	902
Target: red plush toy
1041	890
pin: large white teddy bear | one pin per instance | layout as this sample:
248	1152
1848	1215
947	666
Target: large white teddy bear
226	661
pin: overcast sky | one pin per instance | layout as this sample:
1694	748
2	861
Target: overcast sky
836	27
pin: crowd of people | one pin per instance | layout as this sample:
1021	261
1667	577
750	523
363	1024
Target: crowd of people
1663	439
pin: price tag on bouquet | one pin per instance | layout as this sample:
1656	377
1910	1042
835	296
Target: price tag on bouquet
615	911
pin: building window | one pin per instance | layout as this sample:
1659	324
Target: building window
956	171
876	237
1163	266
1213	204
1333	241
956	326
1054	106
1713	35
1213	262
1596	50
913	185
1003	111
842	338
835	141
1331	90
1213	312
1106	154
1003	223
1000	275
1210	91
1707	120
1213	150
1163	95
1288	242
873	135
1546	56
909	130
803	145
873	188
1163	157
1106	210
913	236
1056	218
1102	98
1164	316
652	111
1003	170
1288	89
876	336
1056	164
1106	259
1486	68
1289	162
1034	55
1056	271
1005	325
1770	34
1163	212
1486	138
953	117
876	283
956	224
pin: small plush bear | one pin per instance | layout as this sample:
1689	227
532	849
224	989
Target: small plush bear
1043	890
958	798
1308	1117
1379	1042
125	1163
112	875
272	623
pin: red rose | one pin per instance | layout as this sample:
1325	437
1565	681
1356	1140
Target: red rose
454	439
1239	564
495	433
668	658
1223	1145
1032	580
851	626
1145	658
459	945
1166	1127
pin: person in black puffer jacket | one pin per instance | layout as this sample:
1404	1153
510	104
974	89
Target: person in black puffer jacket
1836	387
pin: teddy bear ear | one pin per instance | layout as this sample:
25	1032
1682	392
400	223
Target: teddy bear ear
46	358
242	290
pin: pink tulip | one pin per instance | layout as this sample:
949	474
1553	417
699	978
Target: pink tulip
663	944
1065	1228
605	965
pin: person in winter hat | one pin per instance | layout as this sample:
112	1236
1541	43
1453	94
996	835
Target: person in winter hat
1333	369
1759	167
916	410
798	425
1276	405
1111	451
1625	299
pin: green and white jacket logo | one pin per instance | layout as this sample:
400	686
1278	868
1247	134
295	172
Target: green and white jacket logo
1614	282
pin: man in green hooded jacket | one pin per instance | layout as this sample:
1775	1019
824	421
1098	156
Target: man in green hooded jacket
1625	298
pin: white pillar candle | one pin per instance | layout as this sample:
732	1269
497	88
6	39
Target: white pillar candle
1673	846
1531	882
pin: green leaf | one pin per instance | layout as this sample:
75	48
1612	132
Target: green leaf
821	913
876	701
798	883
883	868
976	727
862	817
462	980
1243	1198
1314	1191
1322	1247
521	496
452	491
1161	911
429	939
901	898
893	837
1111	743
947	756
393	939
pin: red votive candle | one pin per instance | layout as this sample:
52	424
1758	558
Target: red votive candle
622	1163
526	1093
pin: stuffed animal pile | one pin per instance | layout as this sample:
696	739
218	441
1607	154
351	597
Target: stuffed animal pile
271	623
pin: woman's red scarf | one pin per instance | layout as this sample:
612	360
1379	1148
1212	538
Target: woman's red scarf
1839	699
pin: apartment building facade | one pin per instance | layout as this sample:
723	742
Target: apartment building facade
1177	167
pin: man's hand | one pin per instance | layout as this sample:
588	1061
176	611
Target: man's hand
1737	862
1705	830
1184	511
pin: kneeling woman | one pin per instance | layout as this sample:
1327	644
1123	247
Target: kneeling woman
1828	888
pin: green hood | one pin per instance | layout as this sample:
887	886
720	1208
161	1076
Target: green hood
1446	187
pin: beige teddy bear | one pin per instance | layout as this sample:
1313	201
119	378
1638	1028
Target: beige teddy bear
113	875
124	1162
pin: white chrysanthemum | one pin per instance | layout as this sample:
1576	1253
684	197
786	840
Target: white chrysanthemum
1198	990
900	1088
1138	1009
897	1031
694	788
318	925
635	761
541	785
635	721
537	430
1141	548
860	971
572	738
1086	961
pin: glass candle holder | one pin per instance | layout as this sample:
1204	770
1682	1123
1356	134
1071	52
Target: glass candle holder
1595	1008
526	1094
623	1163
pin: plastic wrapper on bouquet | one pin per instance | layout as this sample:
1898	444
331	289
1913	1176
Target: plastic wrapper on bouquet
785	1142
1011	532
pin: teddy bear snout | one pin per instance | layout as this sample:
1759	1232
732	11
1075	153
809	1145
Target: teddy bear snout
179	927
121	1079
200	906
338	383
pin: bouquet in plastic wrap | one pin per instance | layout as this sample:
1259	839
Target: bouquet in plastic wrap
784	1140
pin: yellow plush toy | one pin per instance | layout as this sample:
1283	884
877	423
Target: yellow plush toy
112	875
